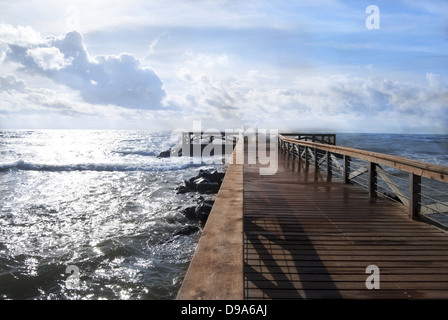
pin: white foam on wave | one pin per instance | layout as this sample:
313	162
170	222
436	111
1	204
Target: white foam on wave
155	165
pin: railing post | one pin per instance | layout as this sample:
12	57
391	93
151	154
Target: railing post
373	180
346	169
329	164
306	155
316	163
414	196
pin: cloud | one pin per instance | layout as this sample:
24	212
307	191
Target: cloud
22	106
19	35
11	83
105	79
18	98
49	58
207	61
341	102
155	42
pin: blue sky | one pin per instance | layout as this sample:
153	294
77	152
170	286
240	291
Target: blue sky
287	65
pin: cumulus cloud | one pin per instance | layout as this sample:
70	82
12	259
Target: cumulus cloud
48	58
19	35
212	87
343	102
11	83
23	106
106	79
16	97
207	61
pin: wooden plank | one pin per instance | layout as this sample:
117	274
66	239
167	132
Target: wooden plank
342	251
322	248
347	294
349	284
361	263
335	272
287	271
312	256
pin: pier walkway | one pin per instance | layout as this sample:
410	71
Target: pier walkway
303	233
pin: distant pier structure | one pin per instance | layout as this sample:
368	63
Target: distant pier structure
210	143
224	142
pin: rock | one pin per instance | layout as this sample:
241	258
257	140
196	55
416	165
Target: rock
187	231
212	175
189	185
208	187
164	154
210	202
206	182
199	213
202	212
190	212
199	180
170	152
182	190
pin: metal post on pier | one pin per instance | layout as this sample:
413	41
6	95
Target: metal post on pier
329	164
373	180
414	196
346	169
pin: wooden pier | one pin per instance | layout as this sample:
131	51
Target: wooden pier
305	233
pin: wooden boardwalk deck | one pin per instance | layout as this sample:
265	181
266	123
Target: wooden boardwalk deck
298	234
309	238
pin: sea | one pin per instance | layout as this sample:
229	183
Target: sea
94	214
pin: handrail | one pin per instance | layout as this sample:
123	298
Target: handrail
416	170
423	169
327	138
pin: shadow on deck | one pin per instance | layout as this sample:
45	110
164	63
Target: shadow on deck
309	237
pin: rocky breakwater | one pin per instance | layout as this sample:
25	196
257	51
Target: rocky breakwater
206	184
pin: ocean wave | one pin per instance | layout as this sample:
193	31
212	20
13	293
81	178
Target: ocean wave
161	165
138	153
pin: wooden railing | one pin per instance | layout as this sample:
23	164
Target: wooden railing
193	143
326	138
207	137
420	186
